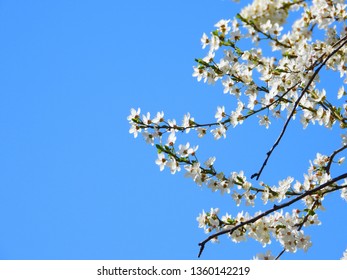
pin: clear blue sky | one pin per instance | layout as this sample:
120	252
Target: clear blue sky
74	184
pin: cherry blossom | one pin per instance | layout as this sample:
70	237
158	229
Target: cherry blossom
267	256
161	161
220	113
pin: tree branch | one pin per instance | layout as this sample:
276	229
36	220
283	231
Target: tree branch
331	158
273	209
268	154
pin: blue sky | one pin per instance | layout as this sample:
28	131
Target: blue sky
74	183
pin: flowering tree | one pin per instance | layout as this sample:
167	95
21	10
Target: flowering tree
304	38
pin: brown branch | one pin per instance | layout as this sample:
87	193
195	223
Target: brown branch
268	154
225	122
273	209
331	158
334	189
321	57
256	28
280	254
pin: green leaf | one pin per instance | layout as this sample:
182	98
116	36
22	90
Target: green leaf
280	226
137	120
215	33
202	62
240	179
160	148
309	211
289	55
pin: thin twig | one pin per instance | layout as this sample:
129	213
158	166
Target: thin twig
280	254
331	158
334	189
268	154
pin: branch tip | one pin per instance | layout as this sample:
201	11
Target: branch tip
202	246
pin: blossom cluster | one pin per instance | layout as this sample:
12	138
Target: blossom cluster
286	228
283	227
282	86
281	81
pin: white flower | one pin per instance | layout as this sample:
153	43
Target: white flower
223	26
302	241
287	238
209	57
249	198
220	113
267	256
201	132
252	101
193	170
134	129
265	196
344	192
134	114
215	240
229	56
312	220
264	120
238	235
260	231
211	77
171	139
224	187
341	92
284	185
208	163
149	138
161	161
344	139
215	43
224	66
235	35
242	217
237	198
213	185
187	122
147	119
199	72
266	26
228	84
173	125
202	219
276	29
174	166
219	132
186	150
321	160
204	40
298	187
159	118
213	217
236	117
226	218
